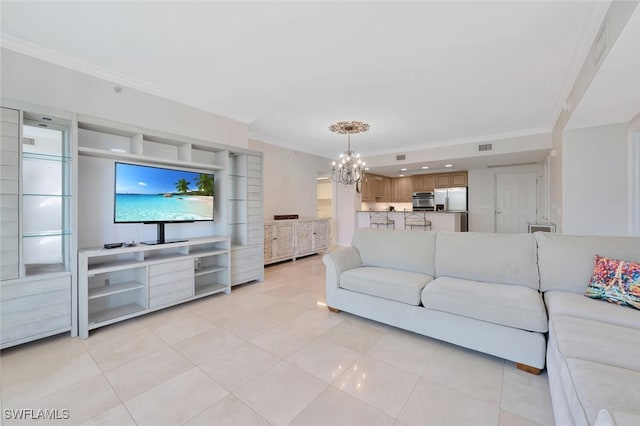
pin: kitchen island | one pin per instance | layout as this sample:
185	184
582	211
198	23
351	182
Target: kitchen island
440	221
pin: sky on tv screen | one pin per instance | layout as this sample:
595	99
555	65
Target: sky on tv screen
134	179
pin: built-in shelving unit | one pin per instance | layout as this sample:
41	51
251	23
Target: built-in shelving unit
117	284
246	216
37	240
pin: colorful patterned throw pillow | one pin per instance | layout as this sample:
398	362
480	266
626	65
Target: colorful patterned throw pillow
616	281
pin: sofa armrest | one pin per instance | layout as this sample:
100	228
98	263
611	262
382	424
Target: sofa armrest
337	262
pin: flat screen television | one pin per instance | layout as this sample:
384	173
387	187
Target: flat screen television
158	195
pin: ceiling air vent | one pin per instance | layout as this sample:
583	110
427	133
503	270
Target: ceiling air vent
485	147
401	157
28	141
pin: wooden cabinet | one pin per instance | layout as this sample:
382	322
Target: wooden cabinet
417	183
443	181
401	189
290	239
429	182
459	179
376	188
279	241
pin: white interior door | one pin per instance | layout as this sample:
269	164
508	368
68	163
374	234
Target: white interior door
515	202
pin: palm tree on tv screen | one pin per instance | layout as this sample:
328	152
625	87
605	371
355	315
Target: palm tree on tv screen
182	185
205	184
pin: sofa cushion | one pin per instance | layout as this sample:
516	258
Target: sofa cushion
565	261
492	258
596	341
590	386
403	250
401	286
576	305
509	305
615	281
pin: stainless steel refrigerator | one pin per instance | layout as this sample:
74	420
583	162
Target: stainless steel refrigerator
453	200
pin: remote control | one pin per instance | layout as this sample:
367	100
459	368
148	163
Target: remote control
112	245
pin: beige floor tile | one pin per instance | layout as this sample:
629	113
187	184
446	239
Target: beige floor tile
334	407
357	335
408	351
283	340
165	316
283	311
138	376
527	395
35	370
224	313
83	401
208	344
249	325
476	374
437	405
255	300
284	291
317	321
310	299
126	348
324	359
281	393
112	332
180	329
229	412
177	400
117	415
510	419
380	385
236	367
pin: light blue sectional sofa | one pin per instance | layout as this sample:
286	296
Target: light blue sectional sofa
487	292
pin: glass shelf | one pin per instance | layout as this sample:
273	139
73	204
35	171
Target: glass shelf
47	157
237	176
46	234
47	195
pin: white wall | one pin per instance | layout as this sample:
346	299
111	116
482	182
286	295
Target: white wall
346	202
595	180
482	193
29	80
290	180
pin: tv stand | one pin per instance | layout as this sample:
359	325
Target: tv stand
160	237
125	282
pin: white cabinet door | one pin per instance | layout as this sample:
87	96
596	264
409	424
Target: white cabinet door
320	235
304	237
283	240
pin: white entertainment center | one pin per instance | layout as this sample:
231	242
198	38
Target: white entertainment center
90	286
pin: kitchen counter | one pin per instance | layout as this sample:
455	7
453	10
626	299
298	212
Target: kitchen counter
440	221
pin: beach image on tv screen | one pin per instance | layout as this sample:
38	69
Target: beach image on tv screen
154	194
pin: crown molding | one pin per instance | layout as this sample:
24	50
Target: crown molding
20	46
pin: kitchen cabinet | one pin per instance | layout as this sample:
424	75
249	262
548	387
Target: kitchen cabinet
376	188
459	179
417	183
429	182
443	180
401	190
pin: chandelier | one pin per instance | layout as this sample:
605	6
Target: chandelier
349	168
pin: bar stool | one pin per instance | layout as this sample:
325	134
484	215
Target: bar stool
417	219
379	218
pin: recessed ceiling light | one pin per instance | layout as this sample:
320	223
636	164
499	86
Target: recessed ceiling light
366	168
404	169
401	175
448	165
425	167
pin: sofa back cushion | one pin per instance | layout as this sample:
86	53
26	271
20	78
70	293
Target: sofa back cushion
411	251
486	257
566	261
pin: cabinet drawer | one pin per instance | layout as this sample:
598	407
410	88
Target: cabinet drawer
243	277
170	277
23	289
171	298
164	268
172	287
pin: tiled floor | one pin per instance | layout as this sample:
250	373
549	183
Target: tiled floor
270	353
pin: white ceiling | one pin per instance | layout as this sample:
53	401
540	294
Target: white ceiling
421	73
